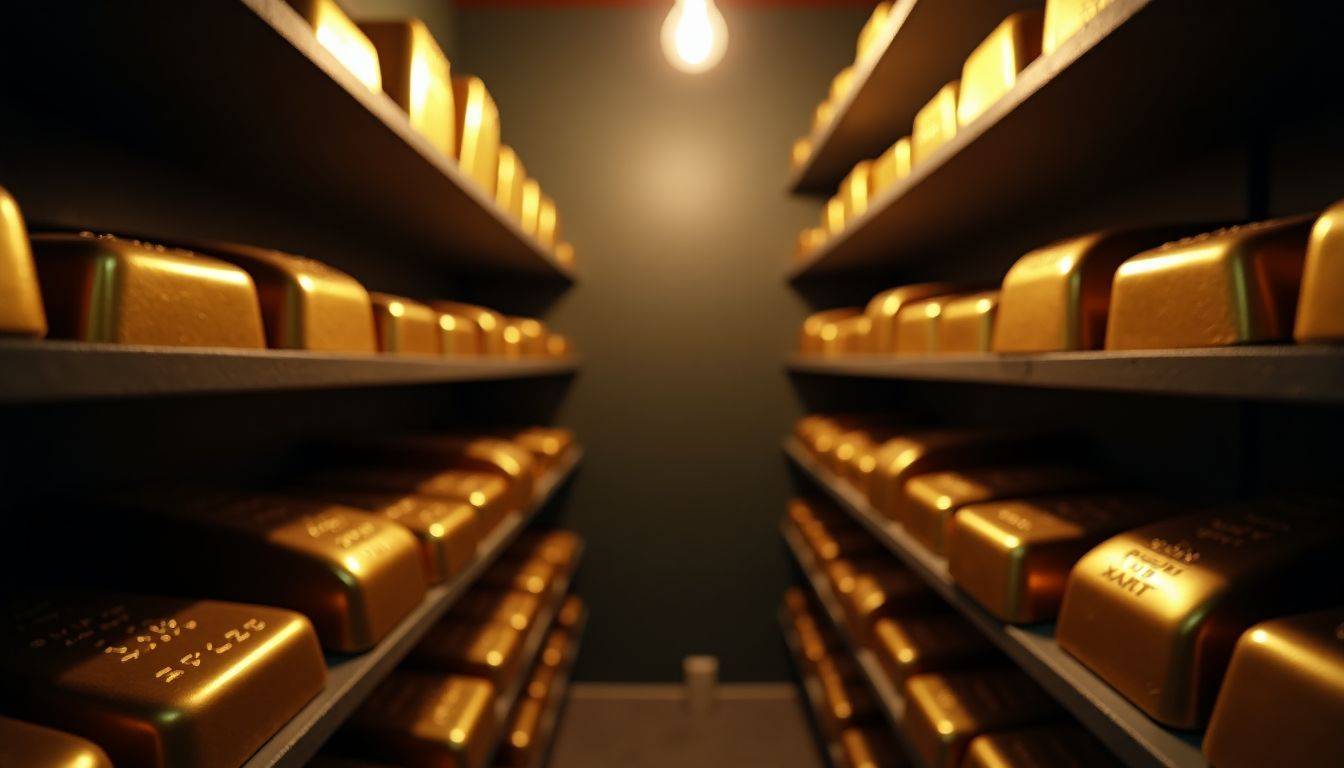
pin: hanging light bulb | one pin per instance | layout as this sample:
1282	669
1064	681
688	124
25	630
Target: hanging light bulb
694	35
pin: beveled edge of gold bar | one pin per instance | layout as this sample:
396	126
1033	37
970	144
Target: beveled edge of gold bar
883	308
967	323
935	123
401	44
405	326
1014	43
1320	316
30	744
21	309
368	73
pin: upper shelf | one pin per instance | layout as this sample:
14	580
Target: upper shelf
923	47
242	91
1139	84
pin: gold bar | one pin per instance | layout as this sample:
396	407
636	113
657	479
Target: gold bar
945	710
1285	682
558	345
852	336
890	167
1183	589
819	331
845	701
809	240
477	123
21	312
564	253
513	339
491	650
26	744
522	737
353	574
841	85
885	306
548	223
426	721
906	646
542	681
475	452
917	327
489	326
556	648
448	531
559	548
509	178
531	210
533	576
885	591
833	216
1049	746
1320	308
157	681
870	37
532	333
934	498
487	492
570	613
966	325
342	39
822	116
418	77
992	68
829	543
795	600
1065	17
107	289
404	326
1056	298
842	449
855	190
800	152
811	640
547	444
1013	556
917	453
1232	286
935	124
869	748
459	335
517	609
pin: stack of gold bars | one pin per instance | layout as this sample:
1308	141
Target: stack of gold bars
118	290
1124	289
454	114
332	561
1222	605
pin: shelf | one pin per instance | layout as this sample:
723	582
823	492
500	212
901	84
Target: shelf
257	101
1300	373
555	704
1122	727
811	690
1070	126
351	679
52	371
924	46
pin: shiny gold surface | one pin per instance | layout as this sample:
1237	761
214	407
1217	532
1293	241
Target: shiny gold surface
883	308
546	444
555	649
426	721
1056	298
540	684
800	152
833	216
25	744
829	543
548	222
156	681
1185	589
570	613
966	324
558	345
945	710
459	335
841	85
492	650
353	574
522	737
477	452
819	331
21	312
917	327
909	645
509	177
935	124
1235	285
517	609
564	253
533	575
404	326
342	39
487	492
448	530
855	190
559	548
417	76
533	334
934	498
489	327
890	167
870	37
1320	307
477	131
845	700
869	748
917	453
811	640
1065	17
1050	746
851	337
531	206
887	591
108	289
1013	556
822	116
1285	683
992	68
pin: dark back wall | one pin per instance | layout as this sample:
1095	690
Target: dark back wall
672	188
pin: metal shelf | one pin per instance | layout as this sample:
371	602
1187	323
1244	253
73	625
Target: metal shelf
811	690
559	692
1071	124
52	371
1122	727
1300	373
351	679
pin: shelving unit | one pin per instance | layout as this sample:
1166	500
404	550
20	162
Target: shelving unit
811	686
555	704
1069	124
1128	732
351	679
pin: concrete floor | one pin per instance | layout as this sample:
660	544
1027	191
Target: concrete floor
650	726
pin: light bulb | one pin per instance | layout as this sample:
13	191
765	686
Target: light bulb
694	35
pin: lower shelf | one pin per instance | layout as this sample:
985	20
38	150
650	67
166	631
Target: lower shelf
555	703
811	689
1123	728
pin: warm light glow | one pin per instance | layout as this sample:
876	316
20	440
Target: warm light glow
694	36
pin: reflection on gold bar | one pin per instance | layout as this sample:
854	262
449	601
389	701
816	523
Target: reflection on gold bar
107	289
1014	556
822	116
945	710
21	312
869	748
159	682
1065	17
559	548
819	329
556	648
1050	746
1185	589
833	216
1056	298
487	492
795	600
477	131
490	650
1232	286
533	576
967	323
534	333
558	345
809	240
811	640
1285	682
26	744
459	335
917	326
417	76
890	167
570	613
342	39
854	190
935	124
909	645
845	701
889	591
405	327
426	721
871	37
548	222
353	574
531	210
546	444
509	178
841	85
843	449
1320	307
541	682
851	337
885	306
482	453
564	253
841	541
917	453
800	152
517	609
934	498
448	530
521	738
489	336
992	68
